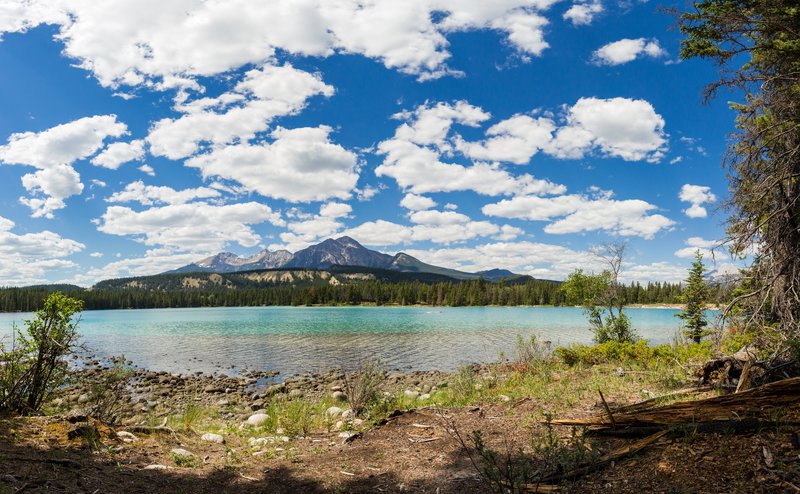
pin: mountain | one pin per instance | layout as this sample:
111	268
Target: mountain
227	262
267	278
342	251
496	274
406	263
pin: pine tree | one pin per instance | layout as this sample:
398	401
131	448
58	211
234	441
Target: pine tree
695	296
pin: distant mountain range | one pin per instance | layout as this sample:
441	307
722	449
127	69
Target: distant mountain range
342	251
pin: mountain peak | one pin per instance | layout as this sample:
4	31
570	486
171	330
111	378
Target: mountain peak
341	251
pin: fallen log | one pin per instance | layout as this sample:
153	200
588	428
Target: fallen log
754	404
655	401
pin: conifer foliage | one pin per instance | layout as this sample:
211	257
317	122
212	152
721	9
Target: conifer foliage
695	297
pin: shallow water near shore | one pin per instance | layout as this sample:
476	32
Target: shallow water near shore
300	339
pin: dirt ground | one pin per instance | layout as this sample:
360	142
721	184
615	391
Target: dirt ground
415	451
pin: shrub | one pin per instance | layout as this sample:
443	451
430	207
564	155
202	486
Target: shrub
109	393
362	386
639	353
464	384
531	355
35	366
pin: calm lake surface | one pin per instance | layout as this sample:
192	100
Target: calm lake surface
300	339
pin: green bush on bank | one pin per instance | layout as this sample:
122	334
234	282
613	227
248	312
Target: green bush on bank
633	353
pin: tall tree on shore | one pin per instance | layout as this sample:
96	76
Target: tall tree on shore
756	43
695	297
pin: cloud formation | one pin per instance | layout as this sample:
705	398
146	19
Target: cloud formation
27	258
53	152
194	38
697	195
627	50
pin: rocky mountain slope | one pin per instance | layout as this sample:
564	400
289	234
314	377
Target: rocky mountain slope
342	251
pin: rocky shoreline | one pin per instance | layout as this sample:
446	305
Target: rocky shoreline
159	393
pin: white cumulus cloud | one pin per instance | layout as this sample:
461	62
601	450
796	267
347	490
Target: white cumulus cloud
29	257
582	13
300	165
627	50
53	152
189	39
152	194
195	226
578	213
119	153
697	195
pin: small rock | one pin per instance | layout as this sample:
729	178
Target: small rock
84	398
340	396
257	419
504	398
182	452
213	438
424	397
411	393
155	467
127	437
347	414
295	393
333	412
426	389
274	389
346	435
357	422
261	441
223	403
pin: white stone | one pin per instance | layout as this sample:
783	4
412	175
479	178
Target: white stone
333	412
411	394
127	436
338	395
424	397
182	452
213	438
257	419
155	467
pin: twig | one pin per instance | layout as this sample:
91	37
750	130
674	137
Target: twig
608	410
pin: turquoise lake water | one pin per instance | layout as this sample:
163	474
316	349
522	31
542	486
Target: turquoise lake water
300	339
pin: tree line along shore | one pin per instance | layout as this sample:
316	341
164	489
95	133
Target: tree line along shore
452	294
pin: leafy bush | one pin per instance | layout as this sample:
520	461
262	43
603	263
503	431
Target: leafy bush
35	366
639	353
363	385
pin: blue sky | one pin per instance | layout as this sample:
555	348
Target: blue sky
518	134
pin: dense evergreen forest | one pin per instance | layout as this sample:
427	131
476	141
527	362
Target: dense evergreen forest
455	293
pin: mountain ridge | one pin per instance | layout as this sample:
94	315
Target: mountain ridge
341	251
